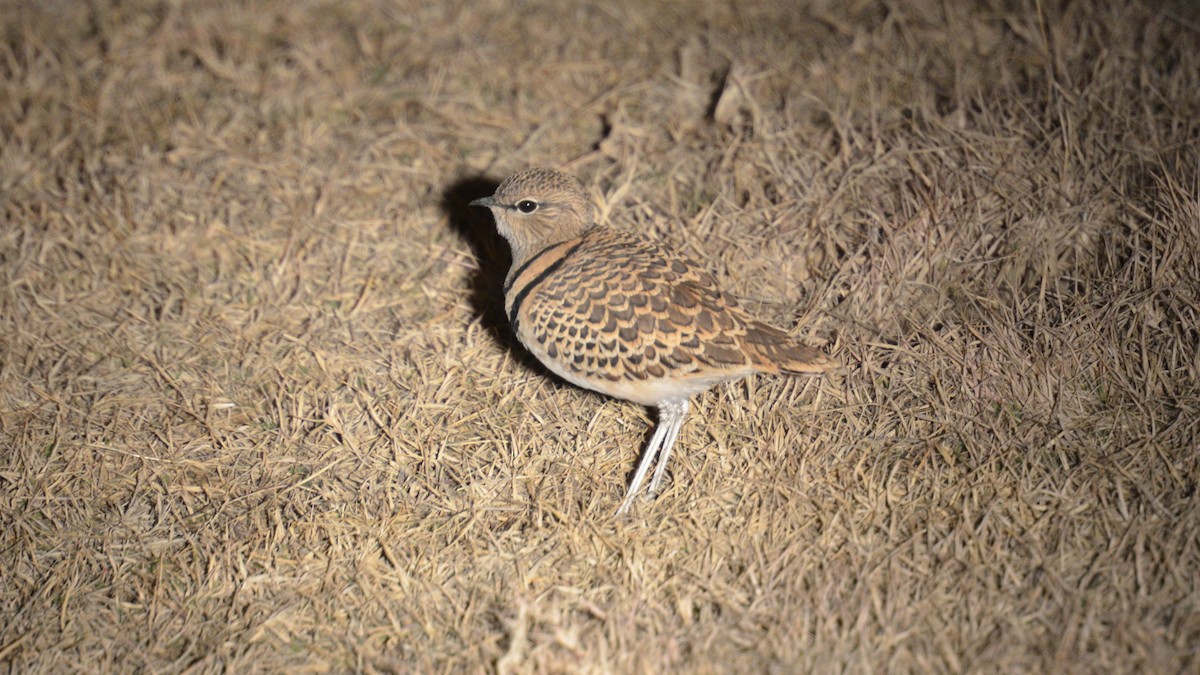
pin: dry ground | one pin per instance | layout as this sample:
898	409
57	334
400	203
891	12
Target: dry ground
259	410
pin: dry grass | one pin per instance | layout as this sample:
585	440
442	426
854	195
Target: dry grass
259	410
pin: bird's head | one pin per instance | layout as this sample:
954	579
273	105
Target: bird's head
539	207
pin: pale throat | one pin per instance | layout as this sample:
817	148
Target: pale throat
522	250
525	244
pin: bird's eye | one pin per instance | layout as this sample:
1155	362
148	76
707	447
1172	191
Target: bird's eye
527	206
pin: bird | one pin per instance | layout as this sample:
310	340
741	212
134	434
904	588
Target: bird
622	314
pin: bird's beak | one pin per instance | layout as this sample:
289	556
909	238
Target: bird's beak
489	202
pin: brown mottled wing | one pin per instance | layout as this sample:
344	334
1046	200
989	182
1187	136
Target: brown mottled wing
773	351
621	307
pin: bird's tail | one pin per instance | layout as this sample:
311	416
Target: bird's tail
774	351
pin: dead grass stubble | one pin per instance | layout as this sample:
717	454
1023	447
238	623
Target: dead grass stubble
258	411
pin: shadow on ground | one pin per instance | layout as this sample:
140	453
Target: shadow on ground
476	227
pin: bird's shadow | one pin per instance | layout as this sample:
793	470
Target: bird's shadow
476	227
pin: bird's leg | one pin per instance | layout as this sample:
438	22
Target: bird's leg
672	415
656	440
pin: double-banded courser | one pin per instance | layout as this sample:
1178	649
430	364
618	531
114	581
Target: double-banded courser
623	315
